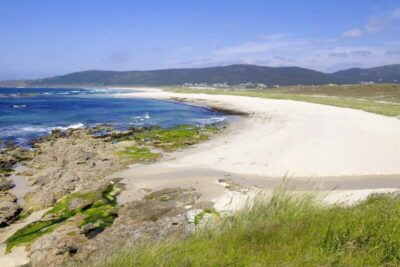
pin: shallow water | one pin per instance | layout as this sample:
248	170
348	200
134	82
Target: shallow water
21	187
27	113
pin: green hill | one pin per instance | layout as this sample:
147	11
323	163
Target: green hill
231	75
383	74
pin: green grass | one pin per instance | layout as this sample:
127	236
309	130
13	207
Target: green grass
383	99
100	209
376	92
199	217
286	230
139	154
387	109
169	139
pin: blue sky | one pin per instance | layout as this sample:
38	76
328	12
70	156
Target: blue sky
40	38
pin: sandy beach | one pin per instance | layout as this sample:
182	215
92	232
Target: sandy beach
340	155
196	134
316	146
282	137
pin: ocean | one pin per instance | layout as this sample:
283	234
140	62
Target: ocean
28	113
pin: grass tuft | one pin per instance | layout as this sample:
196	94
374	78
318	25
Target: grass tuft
199	217
139	154
284	230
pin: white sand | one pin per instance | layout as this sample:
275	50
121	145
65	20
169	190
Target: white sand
296	138
349	197
335	147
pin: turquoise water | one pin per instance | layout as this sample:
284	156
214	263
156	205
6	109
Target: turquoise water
28	113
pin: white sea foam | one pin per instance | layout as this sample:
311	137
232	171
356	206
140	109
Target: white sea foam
33	129
72	126
41	129
209	120
19	106
146	116
99	90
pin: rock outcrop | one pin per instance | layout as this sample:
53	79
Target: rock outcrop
66	162
68	171
11	155
155	217
56	248
9	208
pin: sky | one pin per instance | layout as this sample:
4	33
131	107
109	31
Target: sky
42	38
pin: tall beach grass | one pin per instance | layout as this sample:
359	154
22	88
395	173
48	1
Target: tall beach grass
284	229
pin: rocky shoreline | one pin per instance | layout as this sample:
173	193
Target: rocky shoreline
68	172
9	208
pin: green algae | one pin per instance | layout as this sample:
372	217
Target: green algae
99	208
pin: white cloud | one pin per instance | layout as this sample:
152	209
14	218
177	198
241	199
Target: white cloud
374	25
185	48
396	13
361	53
258	47
323	54
116	58
393	52
339	54
393	43
277	36
246	48
353	33
332	59
323	57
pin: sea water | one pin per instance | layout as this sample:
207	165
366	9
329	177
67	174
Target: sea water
28	113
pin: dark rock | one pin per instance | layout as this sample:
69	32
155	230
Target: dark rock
5	184
9	209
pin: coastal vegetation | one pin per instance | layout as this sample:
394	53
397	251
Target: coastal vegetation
199	217
97	207
139	154
83	204
383	99
166	139
282	230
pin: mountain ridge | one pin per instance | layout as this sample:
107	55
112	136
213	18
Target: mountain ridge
230	75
